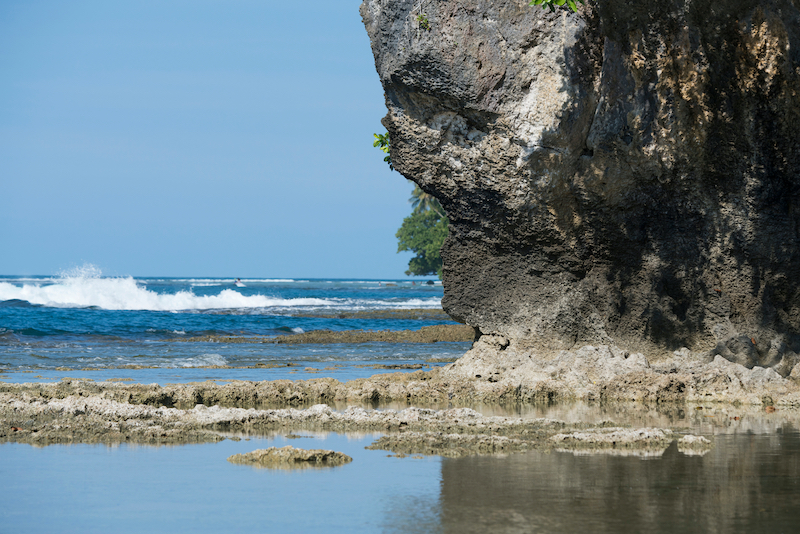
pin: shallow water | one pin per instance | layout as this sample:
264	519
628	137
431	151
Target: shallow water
192	488
749	482
178	362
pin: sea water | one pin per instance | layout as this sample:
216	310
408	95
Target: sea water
749	483
83	324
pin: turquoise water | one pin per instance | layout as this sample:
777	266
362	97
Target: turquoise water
747	483
94	325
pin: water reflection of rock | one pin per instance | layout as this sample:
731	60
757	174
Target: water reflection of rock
747	483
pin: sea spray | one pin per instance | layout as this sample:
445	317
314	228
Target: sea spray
86	287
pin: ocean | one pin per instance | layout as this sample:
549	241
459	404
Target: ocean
82	324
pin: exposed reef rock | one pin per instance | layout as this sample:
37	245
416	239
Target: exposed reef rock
452	432
628	175
643	439
291	458
598	373
426	334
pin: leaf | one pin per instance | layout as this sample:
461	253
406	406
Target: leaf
551	4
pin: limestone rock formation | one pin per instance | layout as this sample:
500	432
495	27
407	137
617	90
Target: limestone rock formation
627	175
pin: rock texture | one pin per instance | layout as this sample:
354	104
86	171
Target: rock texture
628	175
453	432
478	379
291	458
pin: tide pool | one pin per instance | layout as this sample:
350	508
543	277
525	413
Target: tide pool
749	482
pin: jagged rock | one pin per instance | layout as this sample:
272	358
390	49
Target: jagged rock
628	175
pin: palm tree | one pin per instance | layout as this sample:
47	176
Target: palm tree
422	201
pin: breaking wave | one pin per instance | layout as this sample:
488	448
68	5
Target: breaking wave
86	287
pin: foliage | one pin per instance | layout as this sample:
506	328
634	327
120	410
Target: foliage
423	233
422	201
424	23
382	140
571	4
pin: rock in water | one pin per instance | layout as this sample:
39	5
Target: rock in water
291	458
626	175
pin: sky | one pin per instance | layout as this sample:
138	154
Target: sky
194	138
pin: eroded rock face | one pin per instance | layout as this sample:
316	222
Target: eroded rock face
627	175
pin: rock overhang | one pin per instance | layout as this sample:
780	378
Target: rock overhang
624	175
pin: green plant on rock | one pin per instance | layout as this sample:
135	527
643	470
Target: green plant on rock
382	141
571	4
424	23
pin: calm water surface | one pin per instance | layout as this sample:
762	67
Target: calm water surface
749	482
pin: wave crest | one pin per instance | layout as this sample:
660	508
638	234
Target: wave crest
85	287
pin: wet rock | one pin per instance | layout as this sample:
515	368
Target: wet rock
426	334
692	445
657	439
451	445
291	458
94	419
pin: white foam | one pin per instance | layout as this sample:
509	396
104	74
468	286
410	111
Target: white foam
87	288
432	302
220	281
203	360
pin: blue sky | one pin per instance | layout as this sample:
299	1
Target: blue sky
194	138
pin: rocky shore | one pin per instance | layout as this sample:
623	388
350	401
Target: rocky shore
94	418
594	374
111	412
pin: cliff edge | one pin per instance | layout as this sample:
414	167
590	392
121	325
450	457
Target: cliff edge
628	175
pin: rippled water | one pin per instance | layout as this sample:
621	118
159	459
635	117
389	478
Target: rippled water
85	325
749	482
